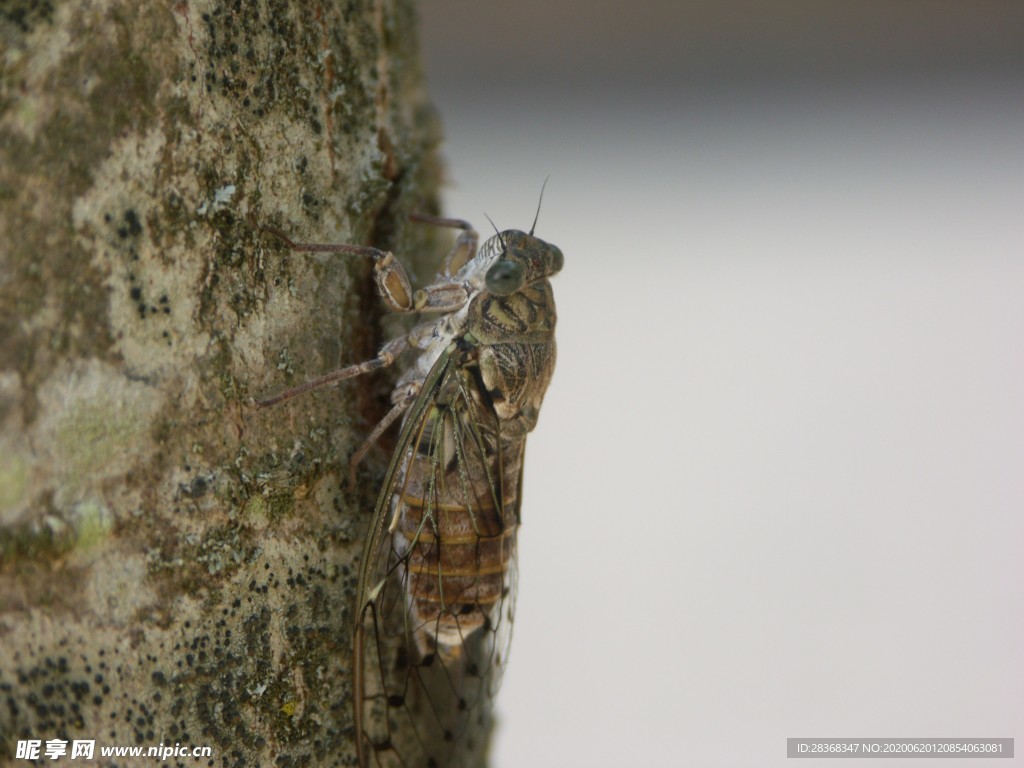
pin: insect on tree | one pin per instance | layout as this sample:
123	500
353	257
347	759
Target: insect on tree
437	580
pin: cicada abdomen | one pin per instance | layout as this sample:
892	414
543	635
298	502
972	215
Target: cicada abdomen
441	615
456	533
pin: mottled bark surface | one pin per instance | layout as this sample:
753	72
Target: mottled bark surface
176	566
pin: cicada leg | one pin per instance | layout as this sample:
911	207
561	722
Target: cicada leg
389	418
384	358
465	245
396	291
389	274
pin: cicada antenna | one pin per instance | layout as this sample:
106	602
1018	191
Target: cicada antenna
541	200
500	238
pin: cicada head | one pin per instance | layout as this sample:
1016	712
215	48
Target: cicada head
514	259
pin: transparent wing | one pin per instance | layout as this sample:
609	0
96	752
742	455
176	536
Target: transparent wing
437	581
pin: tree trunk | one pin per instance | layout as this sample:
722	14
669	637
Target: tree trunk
178	567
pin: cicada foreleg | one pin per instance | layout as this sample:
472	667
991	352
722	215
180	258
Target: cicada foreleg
389	274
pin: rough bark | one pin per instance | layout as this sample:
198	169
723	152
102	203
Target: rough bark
178	567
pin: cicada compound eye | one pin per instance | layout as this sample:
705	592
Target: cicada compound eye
556	259
505	277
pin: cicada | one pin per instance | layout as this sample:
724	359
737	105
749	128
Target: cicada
437	581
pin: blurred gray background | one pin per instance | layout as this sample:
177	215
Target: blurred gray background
777	485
